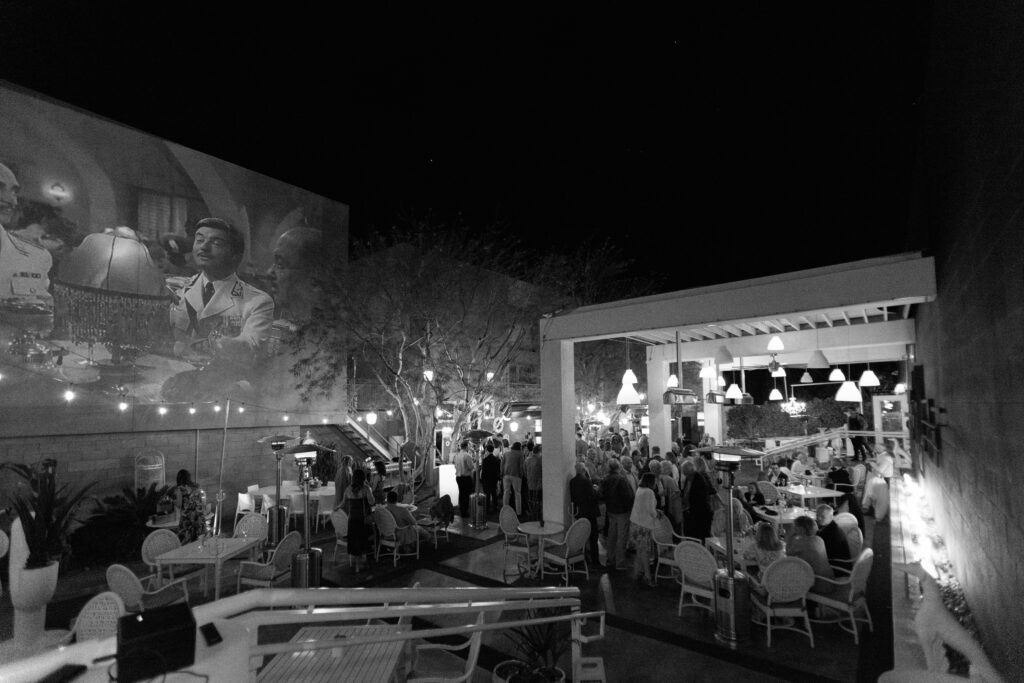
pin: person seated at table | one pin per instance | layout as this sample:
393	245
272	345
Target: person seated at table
721	518
776	476
764	547
836	547
376	480
838	474
407	526
751	497
803	542
800	466
188	501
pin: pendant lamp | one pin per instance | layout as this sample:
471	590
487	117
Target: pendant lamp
629	377
848	392
817	361
776	395
721	381
775	344
672	381
723	357
868	378
778	372
836	375
627	396
806	378
707	372
734	392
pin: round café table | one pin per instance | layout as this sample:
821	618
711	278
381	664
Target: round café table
541	532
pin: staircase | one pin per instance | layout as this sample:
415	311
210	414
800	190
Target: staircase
810	440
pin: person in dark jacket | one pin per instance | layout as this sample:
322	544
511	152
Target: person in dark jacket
836	547
584	497
618	504
490	474
697	513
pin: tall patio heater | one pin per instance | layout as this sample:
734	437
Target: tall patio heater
307	563
732	592
277	515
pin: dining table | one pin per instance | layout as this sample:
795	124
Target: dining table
374	662
322	491
780	515
805	492
716	544
208	551
540	530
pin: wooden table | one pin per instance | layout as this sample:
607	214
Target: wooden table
788	516
368	663
716	544
541	532
213	551
806	491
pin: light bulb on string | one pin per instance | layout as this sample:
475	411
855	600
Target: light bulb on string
285	417
192	409
162	410
216	407
69	394
123	405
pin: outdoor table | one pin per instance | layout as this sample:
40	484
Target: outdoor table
209	551
368	663
541	532
288	491
771	513
716	544
807	491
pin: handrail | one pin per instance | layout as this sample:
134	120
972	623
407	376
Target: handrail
802	442
381	448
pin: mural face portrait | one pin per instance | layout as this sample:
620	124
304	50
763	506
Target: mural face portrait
291	275
213	253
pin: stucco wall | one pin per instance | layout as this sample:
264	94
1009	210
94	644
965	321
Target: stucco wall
969	209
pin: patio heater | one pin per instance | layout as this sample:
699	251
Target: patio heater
306	564
732	591
477	500
277	515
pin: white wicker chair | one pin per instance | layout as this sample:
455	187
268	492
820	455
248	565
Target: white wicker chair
697	569
786	582
339	520
848	596
246	504
845	521
570	552
138	598
159	542
253	525
324	508
770	493
266	574
517	544
465	674
97	618
665	545
387	536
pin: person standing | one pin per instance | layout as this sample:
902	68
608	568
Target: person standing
188	501
697	513
885	462
490	474
534	481
512	477
584	497
642	519
464	467
618	504
357	502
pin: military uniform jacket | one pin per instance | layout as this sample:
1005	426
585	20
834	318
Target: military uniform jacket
237	309
24	270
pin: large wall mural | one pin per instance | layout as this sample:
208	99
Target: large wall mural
145	285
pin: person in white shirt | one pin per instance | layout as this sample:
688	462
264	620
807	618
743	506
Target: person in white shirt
24	266
464	466
885	462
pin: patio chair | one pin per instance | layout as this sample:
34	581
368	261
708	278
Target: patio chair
97	619
697	569
846	521
246	504
465	674
517	544
387	537
770	493
848	596
665	546
785	584
339	520
266	504
137	598
279	566
254	491
253	525
324	508
159	542
570	552
297	506
855	542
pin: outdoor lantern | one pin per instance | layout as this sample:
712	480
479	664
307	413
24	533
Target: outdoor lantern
371	417
428	375
513	426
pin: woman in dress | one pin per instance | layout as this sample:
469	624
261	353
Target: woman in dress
342	479
642	519
188	501
358	505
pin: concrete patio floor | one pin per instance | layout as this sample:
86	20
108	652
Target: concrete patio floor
645	639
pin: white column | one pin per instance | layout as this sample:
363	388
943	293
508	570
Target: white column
659	413
559	404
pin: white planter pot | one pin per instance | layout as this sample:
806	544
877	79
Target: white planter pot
31	590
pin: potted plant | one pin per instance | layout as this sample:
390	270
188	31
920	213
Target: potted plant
47	515
539	647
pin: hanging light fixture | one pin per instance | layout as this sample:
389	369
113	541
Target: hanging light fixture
707	372
868	378
806	378
721	381
371	417
775	344
817	361
776	395
900	388
848	392
723	357
627	395
672	381
836	375
779	371
734	392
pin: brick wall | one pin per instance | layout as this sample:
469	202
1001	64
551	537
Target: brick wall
970	211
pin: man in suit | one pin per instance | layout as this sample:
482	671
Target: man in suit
836	547
584	497
216	313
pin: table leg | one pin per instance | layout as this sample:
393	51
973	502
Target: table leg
216	579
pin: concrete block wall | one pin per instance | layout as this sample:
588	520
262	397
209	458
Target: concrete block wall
970	212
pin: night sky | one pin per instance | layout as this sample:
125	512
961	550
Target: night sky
710	144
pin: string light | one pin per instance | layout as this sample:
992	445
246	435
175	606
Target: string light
123	405
192	409
216	407
285	417
241	408
162	410
69	395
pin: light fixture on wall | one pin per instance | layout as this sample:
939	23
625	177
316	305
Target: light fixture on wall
371	417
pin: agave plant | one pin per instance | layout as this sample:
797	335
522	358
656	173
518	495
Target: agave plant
48	514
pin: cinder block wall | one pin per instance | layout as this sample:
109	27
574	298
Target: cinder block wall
970	210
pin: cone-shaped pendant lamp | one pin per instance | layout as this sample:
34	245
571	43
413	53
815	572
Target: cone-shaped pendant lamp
672	381
627	396
868	378
836	375
848	392
776	395
734	392
817	361
629	377
723	357
806	378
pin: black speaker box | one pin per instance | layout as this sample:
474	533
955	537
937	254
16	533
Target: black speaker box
154	642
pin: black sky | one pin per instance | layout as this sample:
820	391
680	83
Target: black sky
710	144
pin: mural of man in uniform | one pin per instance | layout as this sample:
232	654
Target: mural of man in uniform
216	313
24	267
